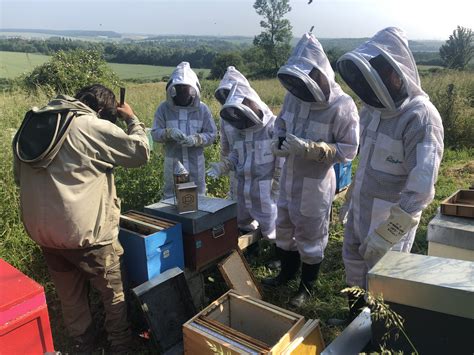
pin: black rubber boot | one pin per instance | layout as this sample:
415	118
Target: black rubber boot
275	262
309	274
355	306
290	264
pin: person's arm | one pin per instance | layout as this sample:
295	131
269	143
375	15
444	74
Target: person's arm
116	147
224	140
347	133
158	131
208	134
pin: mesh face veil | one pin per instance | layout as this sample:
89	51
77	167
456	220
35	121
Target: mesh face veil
183	95
242	115
221	95
307	85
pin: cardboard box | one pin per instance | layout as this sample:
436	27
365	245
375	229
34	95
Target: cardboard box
151	245
24	320
435	296
237	324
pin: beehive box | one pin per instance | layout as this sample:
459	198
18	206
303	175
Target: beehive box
151	245
451	237
24	320
460	204
236	324
435	297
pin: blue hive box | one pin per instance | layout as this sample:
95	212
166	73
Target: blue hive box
151	246
343	175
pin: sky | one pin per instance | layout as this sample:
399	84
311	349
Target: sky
421	19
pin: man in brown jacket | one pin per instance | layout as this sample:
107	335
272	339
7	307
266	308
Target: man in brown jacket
64	156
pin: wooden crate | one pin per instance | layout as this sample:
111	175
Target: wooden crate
460	204
235	324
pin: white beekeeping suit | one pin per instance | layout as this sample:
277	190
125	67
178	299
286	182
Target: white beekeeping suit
251	157
401	149
185	125
227	131
321	127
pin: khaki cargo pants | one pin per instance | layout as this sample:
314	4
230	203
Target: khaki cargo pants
72	269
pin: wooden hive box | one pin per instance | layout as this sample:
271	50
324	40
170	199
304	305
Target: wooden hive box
151	245
236	324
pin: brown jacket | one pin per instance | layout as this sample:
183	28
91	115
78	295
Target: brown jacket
72	202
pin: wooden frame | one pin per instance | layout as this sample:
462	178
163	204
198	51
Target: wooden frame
459	204
238	276
234	323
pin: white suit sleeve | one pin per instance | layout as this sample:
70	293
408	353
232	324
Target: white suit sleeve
158	131
225	146
346	133
423	153
209	129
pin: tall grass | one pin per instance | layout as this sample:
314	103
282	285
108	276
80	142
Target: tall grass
139	187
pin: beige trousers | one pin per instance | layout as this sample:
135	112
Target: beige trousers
72	270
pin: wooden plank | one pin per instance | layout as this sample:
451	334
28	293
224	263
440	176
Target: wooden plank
308	340
249	238
236	336
238	276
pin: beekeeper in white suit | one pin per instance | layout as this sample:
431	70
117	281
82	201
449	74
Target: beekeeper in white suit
400	154
185	126
256	167
227	132
320	126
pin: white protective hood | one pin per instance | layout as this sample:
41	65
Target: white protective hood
309	54
231	75
392	43
241	89
183	74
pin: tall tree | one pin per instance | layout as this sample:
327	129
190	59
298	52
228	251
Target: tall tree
275	38
458	50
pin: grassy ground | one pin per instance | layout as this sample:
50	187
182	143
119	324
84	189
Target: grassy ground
13	64
139	187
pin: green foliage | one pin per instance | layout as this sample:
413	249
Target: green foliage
67	72
276	36
222	61
459	48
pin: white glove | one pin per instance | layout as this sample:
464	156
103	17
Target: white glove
174	134
294	145
321	152
194	140
275	192
387	234
276	151
344	210
373	248
218	169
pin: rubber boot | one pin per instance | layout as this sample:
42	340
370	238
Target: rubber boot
309	274
355	306
275	262
290	264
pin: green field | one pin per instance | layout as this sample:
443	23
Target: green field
13	64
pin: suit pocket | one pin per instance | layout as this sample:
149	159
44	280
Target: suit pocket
388	156
315	198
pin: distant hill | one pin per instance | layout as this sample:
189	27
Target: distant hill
342	44
64	33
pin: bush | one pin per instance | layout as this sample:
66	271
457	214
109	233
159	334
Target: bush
67	72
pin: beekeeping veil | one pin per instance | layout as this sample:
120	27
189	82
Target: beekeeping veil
308	74
231	75
183	88
244	109
382	71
